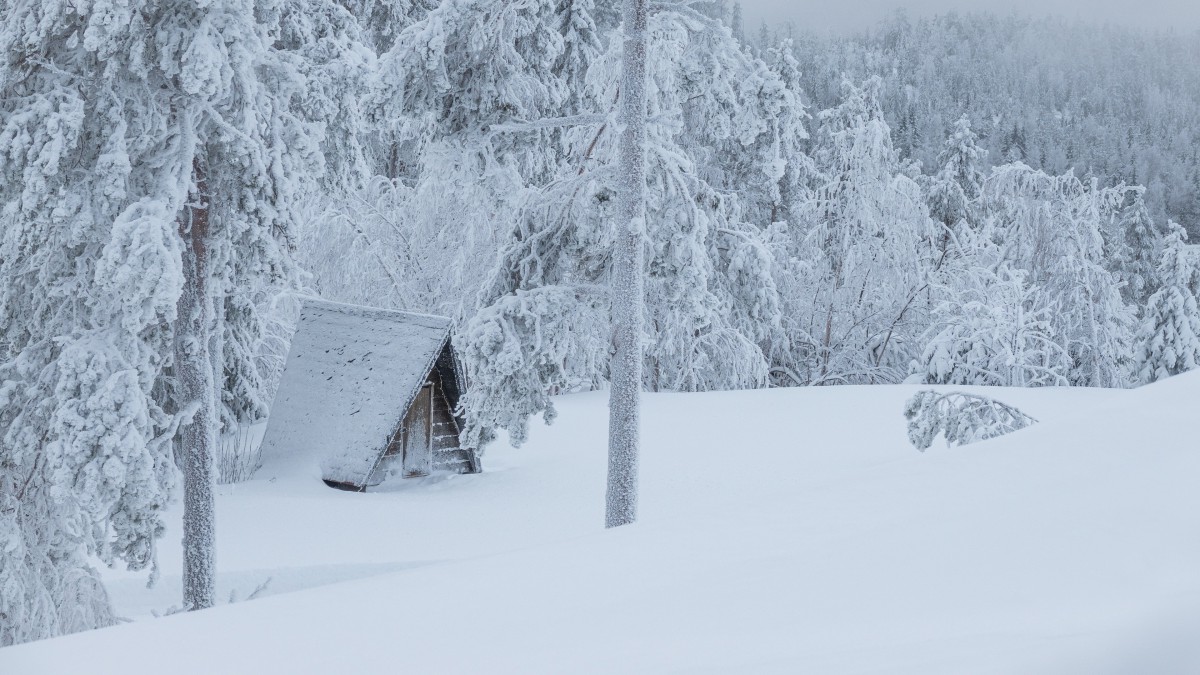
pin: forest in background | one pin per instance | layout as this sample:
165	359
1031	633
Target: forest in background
1117	103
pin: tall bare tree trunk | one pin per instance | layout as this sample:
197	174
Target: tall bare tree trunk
194	371
627	283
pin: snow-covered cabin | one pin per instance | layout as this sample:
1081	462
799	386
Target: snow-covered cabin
367	393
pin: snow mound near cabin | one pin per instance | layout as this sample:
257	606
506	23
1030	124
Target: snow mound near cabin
782	531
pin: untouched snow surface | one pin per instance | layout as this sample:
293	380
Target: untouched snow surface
782	531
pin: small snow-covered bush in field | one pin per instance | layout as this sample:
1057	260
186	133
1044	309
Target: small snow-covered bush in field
960	418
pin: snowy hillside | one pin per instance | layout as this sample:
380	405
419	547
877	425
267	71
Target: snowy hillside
782	531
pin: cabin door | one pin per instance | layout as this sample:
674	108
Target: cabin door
418	446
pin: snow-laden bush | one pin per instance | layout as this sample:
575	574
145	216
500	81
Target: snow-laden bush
992	327
960	418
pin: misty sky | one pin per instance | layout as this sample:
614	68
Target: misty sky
841	15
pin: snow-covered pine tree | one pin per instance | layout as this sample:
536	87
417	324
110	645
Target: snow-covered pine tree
130	128
378	24
1014	146
951	192
382	21
744	123
709	289
89	279
582	44
793	141
1135	248
465	70
745	130
737	24
1170	335
422	235
331	49
726	128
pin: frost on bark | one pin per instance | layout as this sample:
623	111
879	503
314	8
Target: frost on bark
193	368
627	282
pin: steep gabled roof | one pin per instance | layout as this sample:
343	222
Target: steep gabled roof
350	376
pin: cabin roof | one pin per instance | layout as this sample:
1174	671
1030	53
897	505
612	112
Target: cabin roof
350	376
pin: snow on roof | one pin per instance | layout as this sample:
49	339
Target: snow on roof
350	376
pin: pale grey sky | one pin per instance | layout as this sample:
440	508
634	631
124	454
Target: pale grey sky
840	15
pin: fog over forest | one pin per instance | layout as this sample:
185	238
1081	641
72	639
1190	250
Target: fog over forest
1177	15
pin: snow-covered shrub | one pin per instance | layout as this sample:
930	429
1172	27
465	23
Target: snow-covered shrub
959	418
992	328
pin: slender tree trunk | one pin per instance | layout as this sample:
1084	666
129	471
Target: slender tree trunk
194	371
627	282
216	355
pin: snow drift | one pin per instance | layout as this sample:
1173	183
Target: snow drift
782	531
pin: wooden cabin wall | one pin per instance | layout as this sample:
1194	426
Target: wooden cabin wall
447	455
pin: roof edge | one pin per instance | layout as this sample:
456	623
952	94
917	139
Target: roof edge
408	401
365	310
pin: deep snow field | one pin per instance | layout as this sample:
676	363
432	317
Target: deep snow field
781	531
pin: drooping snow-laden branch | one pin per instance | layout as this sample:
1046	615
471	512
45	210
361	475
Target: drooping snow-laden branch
518	126
685	10
960	418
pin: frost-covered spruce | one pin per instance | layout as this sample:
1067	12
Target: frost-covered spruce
952	192
89	277
1134	249
1170	336
467	67
149	116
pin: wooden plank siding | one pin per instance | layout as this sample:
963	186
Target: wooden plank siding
447	455
444	427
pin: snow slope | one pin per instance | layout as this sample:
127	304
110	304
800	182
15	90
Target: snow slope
782	531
